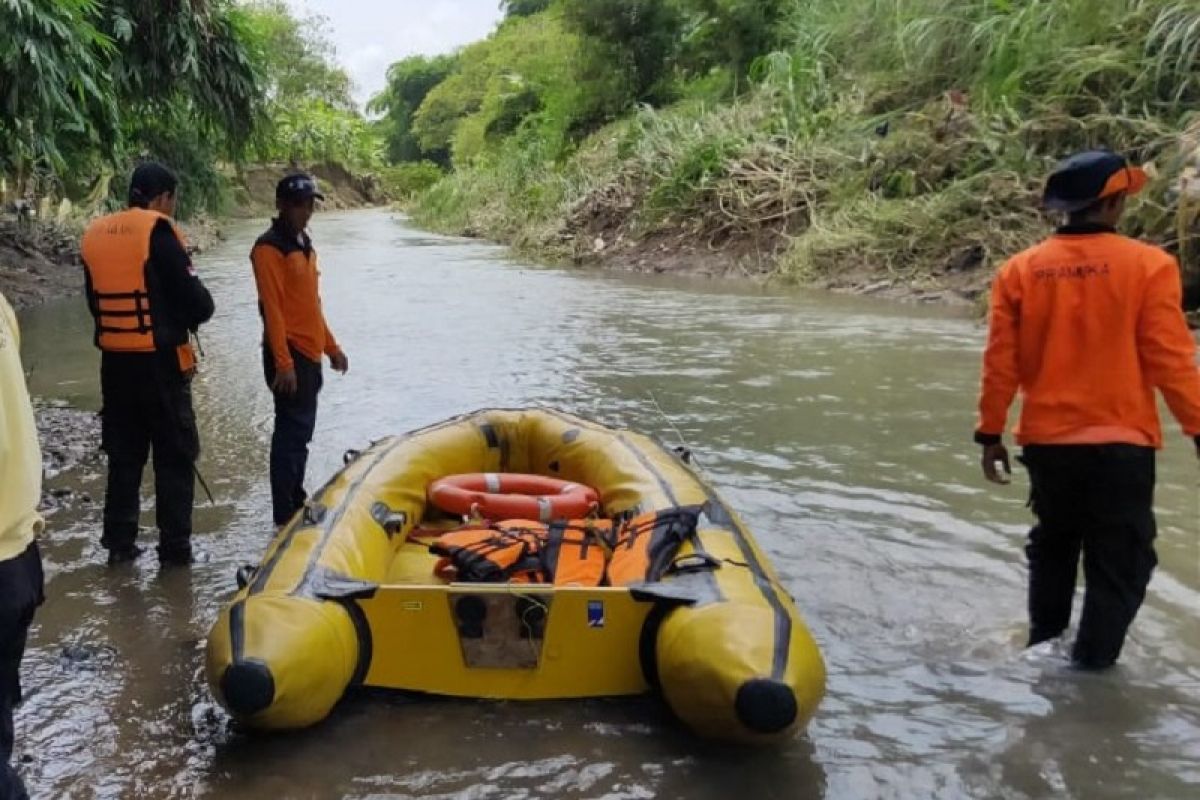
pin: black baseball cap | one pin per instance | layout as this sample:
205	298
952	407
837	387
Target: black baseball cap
149	180
300	186
1088	177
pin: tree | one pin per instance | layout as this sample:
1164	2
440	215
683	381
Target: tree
55	90
527	69
190	93
311	113
295	56
191	53
523	8
89	86
638	39
409	82
730	33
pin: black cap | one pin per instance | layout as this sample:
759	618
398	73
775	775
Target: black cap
149	181
1088	177
300	186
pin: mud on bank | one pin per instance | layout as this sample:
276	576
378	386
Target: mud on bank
41	262
70	440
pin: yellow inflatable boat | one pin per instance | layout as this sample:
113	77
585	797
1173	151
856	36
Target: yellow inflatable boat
348	594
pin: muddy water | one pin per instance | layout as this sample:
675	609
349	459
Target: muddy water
839	429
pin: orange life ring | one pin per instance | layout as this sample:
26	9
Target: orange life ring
506	495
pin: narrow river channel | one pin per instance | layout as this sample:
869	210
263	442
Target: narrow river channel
840	430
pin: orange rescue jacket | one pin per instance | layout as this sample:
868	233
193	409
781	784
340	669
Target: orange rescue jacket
586	552
285	270
524	551
1085	326
115	251
645	547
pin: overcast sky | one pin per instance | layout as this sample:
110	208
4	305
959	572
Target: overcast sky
371	34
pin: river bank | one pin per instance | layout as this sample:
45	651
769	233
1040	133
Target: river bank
921	207
39	260
897	152
254	189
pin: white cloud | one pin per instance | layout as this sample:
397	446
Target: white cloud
372	34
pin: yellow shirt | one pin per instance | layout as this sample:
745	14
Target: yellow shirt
20	456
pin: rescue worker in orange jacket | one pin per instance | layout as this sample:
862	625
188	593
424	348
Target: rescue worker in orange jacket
146	299
295	337
1086	326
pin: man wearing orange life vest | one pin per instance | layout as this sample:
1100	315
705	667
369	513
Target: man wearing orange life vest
146	300
295	336
1086	325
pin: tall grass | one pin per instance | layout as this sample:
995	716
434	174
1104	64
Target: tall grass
902	136
1023	54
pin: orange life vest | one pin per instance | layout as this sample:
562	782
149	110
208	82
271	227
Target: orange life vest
645	547
588	552
523	551
487	555
115	251
575	553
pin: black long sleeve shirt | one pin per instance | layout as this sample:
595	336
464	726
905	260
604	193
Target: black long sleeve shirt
179	299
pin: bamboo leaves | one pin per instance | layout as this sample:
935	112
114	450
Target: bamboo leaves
55	93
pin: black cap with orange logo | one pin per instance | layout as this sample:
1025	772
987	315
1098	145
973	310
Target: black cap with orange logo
1088	177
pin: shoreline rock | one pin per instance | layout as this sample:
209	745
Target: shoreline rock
70	442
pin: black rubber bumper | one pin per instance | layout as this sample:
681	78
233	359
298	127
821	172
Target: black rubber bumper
248	687
766	706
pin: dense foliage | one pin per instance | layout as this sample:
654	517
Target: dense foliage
57	95
409	81
88	87
310	115
902	137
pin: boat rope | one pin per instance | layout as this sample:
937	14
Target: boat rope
688	453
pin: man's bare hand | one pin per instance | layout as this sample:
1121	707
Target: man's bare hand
994	454
285	382
340	362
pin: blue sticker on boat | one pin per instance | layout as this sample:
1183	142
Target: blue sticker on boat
595	613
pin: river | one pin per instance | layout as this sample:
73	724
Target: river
839	428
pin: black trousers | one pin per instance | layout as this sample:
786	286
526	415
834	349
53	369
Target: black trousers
21	586
1098	500
295	421
148	408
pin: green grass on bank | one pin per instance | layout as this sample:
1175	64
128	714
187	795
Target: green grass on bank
904	138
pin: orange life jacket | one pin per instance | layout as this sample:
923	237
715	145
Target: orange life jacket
575	553
585	552
523	551
488	555
644	548
115	251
